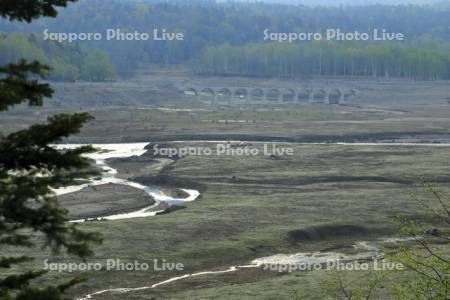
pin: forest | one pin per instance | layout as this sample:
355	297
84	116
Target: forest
326	59
227	38
68	62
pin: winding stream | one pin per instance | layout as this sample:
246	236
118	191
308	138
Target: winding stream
369	251
137	149
109	177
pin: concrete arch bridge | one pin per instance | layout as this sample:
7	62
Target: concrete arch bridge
220	97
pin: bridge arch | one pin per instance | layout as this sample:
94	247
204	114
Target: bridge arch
320	96
347	95
224	94
257	94
190	92
334	97
289	95
273	95
241	94
208	92
304	95
208	95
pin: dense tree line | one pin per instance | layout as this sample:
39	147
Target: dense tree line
326	59
67	62
208	24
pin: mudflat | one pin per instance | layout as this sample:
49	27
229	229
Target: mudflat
104	200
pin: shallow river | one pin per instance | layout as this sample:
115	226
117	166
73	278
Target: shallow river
109	177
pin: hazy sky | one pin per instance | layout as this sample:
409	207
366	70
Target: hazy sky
351	2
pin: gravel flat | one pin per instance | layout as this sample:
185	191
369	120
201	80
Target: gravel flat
104	200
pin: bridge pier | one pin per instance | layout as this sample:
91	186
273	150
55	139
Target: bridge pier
215	102
327	97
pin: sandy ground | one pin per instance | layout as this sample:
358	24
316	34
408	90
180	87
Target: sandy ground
104	200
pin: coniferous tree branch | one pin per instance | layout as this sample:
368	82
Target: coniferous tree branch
30	167
16	87
28	10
